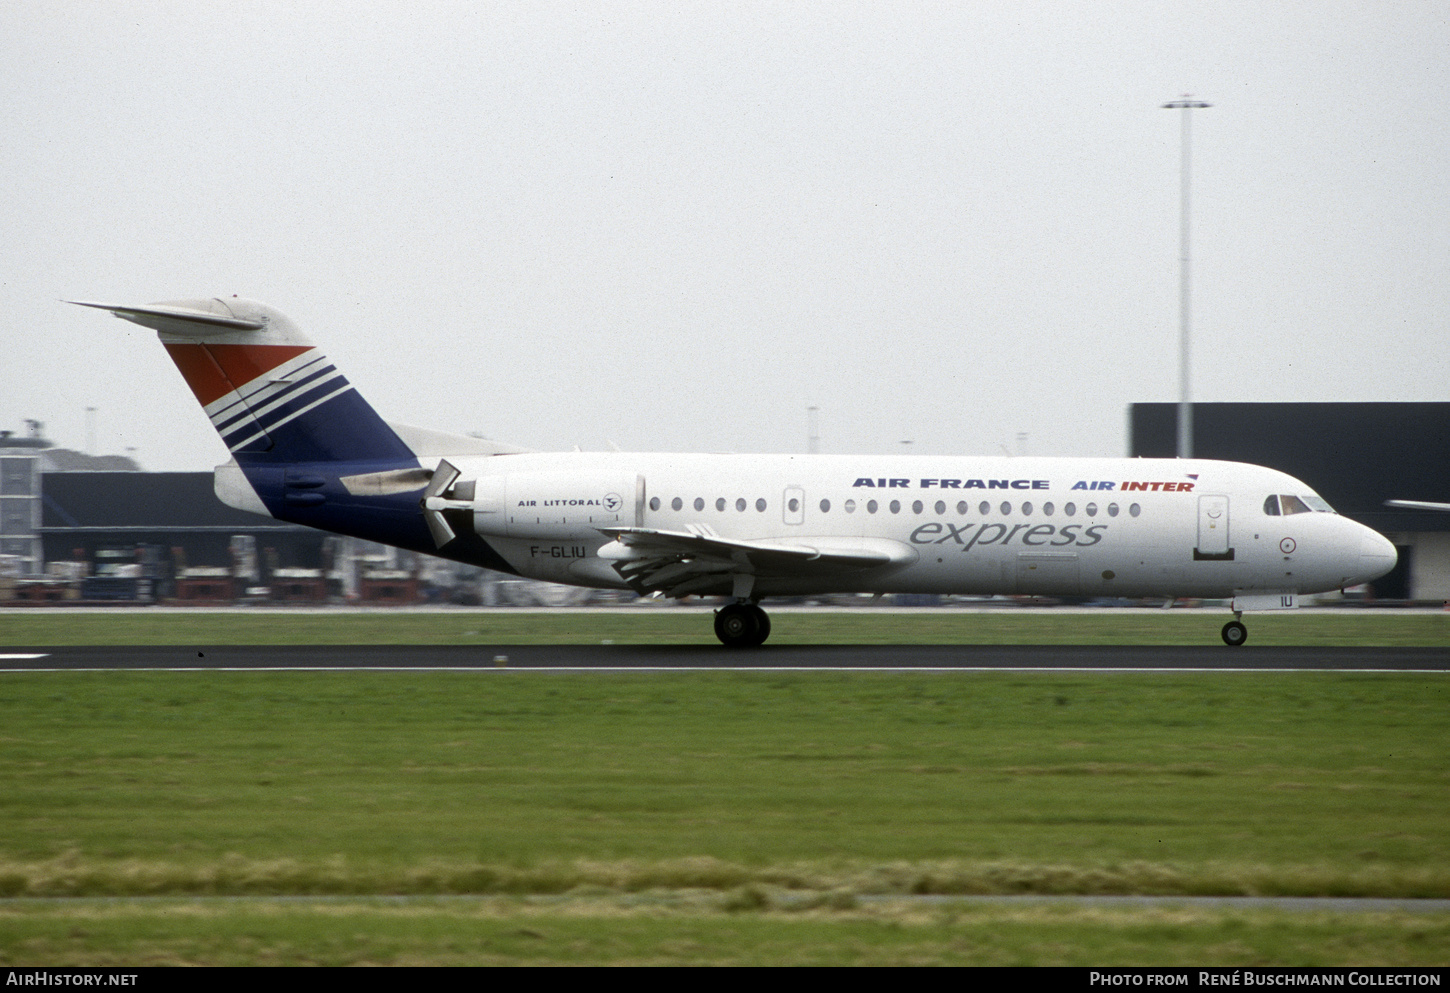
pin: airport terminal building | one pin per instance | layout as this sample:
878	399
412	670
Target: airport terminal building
81	528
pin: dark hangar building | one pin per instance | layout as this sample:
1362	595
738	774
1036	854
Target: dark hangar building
1355	455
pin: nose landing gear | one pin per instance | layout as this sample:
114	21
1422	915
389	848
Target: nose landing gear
742	624
1234	634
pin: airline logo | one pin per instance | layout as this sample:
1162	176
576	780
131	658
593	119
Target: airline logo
1032	535
1099	485
250	390
954	484
1136	486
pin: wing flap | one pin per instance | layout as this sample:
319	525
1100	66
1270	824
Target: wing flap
680	562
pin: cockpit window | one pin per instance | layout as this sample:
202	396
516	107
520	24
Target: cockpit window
1287	504
1293	505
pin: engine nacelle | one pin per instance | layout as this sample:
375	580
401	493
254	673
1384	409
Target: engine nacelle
555	504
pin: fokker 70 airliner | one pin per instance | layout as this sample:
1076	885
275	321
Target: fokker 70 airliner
307	448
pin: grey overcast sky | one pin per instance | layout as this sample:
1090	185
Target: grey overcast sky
675	226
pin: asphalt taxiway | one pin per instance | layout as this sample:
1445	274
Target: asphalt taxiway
615	658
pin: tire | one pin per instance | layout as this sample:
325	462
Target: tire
737	625
762	623
1235	634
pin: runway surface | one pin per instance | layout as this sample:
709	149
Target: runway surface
617	658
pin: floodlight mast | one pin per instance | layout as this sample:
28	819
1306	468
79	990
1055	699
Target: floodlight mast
1185	405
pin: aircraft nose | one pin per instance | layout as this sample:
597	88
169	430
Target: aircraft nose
1377	556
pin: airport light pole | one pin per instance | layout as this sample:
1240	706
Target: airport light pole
1185	405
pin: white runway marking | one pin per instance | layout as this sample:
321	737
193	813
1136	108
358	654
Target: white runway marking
17	656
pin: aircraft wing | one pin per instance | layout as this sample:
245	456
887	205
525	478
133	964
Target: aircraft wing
683	562
1418	505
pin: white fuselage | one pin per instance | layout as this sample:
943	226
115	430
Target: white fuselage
1089	527
307	448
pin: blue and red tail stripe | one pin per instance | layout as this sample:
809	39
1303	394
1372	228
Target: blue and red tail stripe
295	425
284	403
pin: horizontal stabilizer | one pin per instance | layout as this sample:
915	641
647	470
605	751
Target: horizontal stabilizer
271	394
188	317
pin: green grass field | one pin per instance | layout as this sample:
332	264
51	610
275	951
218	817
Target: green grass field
700	930
666	625
707	817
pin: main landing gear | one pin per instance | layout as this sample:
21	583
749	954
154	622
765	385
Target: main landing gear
742	624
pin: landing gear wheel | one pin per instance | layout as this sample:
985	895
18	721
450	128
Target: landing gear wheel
737	626
763	619
1235	634
741	625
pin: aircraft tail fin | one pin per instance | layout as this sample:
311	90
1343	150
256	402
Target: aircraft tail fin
271	394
